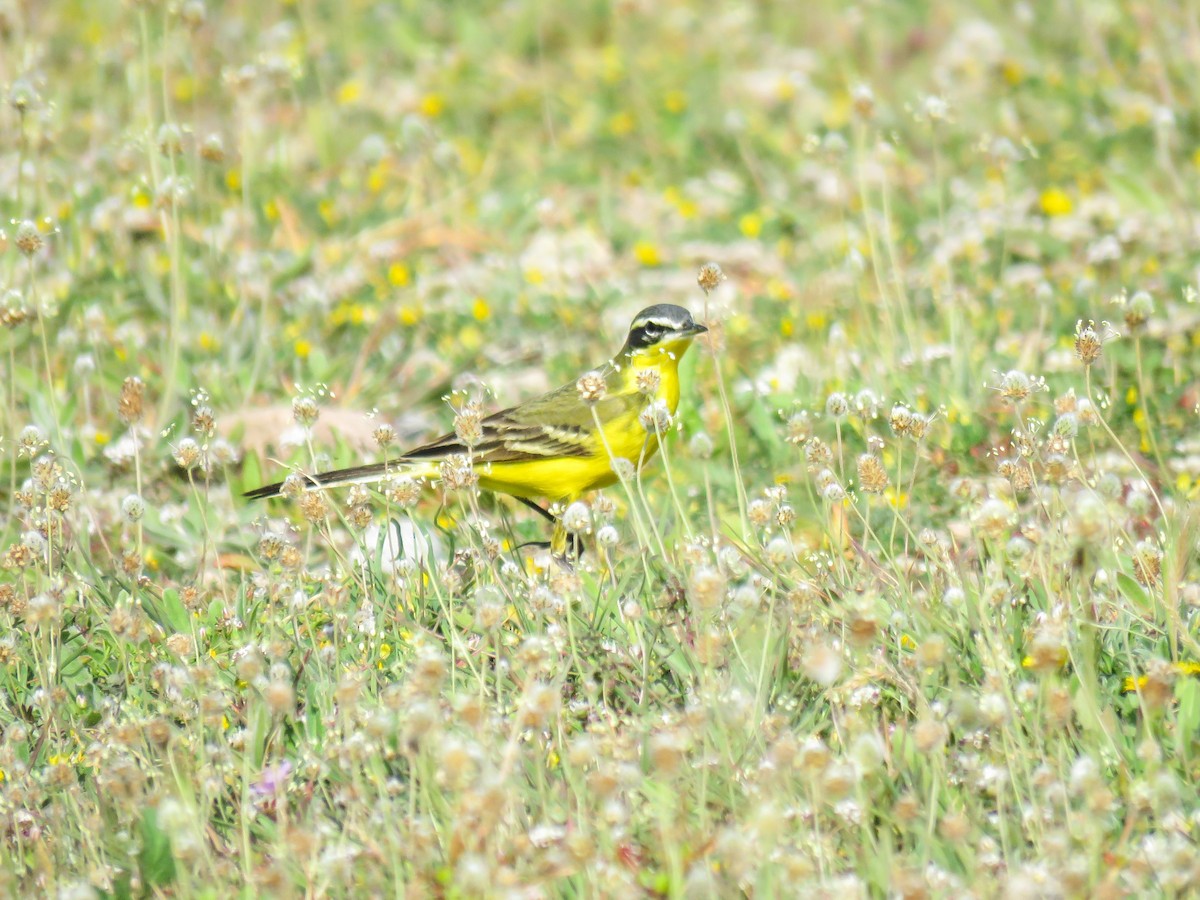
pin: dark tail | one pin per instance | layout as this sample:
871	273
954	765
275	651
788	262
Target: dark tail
353	475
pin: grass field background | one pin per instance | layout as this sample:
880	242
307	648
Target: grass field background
910	603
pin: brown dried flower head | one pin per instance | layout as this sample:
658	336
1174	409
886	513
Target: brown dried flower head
591	387
872	476
131	404
709	277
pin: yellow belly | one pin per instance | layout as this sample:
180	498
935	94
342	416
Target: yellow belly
569	476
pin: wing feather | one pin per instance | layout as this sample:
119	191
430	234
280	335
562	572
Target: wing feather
557	424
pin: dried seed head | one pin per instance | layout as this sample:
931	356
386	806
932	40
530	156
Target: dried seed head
133	508
384	434
293	486
1066	403
591	387
701	445
833	492
837	406
823	663
204	421
1015	386
28	239
212	149
31	441
648	381
457	473
706	587
313	506
170	139
305	410
404	491
188	454
270	547
468	423
131	404
872	476
280	696
1147	563
709	277
22	95
623	468
863	99
817	455
901	420
655	417
1138	311
577	518
1089	343
13	311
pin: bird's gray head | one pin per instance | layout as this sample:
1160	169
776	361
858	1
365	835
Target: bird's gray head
663	323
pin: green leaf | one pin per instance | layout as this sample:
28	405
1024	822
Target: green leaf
1134	592
1187	730
174	612
155	861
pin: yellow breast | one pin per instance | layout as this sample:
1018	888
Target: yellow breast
567	477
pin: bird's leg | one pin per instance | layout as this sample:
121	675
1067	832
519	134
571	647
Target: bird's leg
549	517
565	546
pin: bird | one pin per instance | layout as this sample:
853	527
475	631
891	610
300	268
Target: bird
549	447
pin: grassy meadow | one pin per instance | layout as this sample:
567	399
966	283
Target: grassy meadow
910	604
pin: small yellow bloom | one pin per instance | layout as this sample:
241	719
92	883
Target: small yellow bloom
207	342
377	177
385	650
1055	202
778	289
184	88
470	338
432	105
896	499
647	254
409	315
480	309
101	438
787	328
534	275
675	102
349	92
620	124
302	348
399	274
751	225
1012	72
233	179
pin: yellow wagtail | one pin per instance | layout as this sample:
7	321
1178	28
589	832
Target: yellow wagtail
562	444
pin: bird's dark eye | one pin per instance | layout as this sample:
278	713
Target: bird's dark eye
651	333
